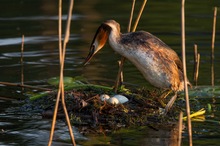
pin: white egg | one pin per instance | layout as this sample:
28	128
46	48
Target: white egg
122	99
104	97
113	100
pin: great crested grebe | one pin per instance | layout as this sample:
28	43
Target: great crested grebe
157	62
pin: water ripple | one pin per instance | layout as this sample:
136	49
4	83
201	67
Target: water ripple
32	40
37	18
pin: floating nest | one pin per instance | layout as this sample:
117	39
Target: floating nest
86	109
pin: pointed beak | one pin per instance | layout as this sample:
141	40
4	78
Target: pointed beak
98	42
90	55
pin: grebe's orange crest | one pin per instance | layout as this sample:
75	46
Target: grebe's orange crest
99	41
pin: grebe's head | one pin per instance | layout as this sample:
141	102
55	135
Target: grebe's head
101	37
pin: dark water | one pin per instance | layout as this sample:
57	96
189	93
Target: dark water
37	21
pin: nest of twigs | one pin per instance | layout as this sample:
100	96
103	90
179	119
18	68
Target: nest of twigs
86	108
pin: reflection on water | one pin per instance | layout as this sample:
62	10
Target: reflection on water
22	128
28	40
39	18
37	21
139	136
19	128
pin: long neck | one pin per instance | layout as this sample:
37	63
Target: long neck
114	41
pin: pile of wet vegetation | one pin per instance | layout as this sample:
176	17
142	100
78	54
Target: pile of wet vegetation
87	107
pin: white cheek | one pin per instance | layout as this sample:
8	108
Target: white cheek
96	44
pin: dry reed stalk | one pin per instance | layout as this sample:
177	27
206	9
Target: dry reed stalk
61	84
121	62
139	15
196	64
120	73
22	64
180	128
7	98
197	68
66	39
25	86
129	27
131	16
195	61
213	46
184	72
59	90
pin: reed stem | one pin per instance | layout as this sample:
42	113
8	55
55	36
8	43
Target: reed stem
60	56
131	16
197	68
66	39
196	64
184	72
25	86
22	63
120	73
121	62
139	15
213	47
180	128
62	52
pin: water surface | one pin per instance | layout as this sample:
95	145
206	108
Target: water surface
37	21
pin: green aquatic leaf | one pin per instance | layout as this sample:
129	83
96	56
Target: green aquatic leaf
55	80
209	108
39	95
